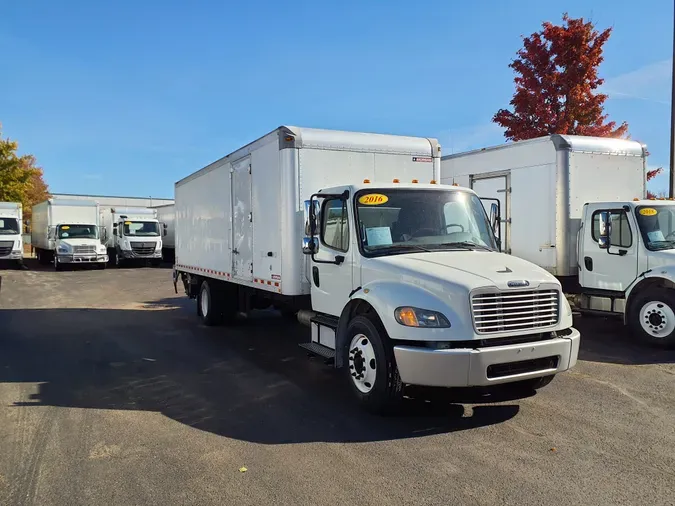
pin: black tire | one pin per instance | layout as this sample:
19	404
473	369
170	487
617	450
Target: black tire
386	393
57	264
662	302
209	307
118	260
156	263
100	266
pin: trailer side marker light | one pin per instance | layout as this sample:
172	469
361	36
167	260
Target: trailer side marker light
415	181
288	138
396	181
433	181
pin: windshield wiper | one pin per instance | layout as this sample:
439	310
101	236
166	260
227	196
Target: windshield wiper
401	246
466	245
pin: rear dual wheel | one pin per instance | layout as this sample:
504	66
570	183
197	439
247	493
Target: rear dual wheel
214	306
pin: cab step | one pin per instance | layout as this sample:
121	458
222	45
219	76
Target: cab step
319	349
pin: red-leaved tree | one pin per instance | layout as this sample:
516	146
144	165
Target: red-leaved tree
556	84
651	174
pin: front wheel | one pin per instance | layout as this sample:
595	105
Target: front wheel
371	367
652	318
57	264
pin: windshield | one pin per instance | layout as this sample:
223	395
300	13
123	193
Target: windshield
141	228
395	221
657	226
9	226
77	232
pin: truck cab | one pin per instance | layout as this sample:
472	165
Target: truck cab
418	266
136	235
11	241
626	254
77	243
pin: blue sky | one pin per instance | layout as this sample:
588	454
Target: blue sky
127	97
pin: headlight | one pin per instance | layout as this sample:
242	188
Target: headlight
63	249
158	245
415	317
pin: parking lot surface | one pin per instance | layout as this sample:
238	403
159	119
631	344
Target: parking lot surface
111	392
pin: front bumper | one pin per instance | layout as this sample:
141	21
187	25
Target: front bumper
82	259
127	254
468	367
14	255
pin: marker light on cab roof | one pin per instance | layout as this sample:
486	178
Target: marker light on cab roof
396	181
415	181
366	181
433	181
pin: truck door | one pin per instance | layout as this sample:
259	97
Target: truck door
242	220
495	186
616	267
331	267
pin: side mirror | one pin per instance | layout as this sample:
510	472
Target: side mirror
50	233
494	218
165	229
115	232
605	229
310	245
312	223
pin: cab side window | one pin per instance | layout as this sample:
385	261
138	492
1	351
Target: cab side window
621	236
335	225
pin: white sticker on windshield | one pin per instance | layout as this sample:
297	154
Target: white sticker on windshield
378	236
655	236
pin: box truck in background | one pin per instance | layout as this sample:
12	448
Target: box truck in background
66	232
133	234
167	218
397	276
575	206
11	228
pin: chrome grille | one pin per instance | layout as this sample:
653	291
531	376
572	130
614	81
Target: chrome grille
88	249
143	248
512	311
6	248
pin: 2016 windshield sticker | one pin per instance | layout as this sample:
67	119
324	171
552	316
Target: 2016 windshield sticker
648	211
65	227
373	199
127	223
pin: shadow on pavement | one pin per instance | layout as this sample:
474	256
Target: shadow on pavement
608	340
249	382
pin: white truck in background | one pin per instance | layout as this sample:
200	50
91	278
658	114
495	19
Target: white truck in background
397	276
167	217
134	234
66	232
11	228
574	206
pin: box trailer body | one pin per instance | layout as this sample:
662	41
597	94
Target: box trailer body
67	232
352	232
241	216
11	228
132	234
542	186
166	214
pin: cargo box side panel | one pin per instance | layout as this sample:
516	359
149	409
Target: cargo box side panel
267	222
39	224
534	153
532	215
167	215
321	168
203	225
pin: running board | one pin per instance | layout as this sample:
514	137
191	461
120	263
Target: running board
318	349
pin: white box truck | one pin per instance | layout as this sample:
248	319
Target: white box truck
11	227
167	217
133	234
574	206
397	276
66	232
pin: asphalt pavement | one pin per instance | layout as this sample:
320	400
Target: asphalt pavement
111	392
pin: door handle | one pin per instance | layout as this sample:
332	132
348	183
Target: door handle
588	263
315	276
